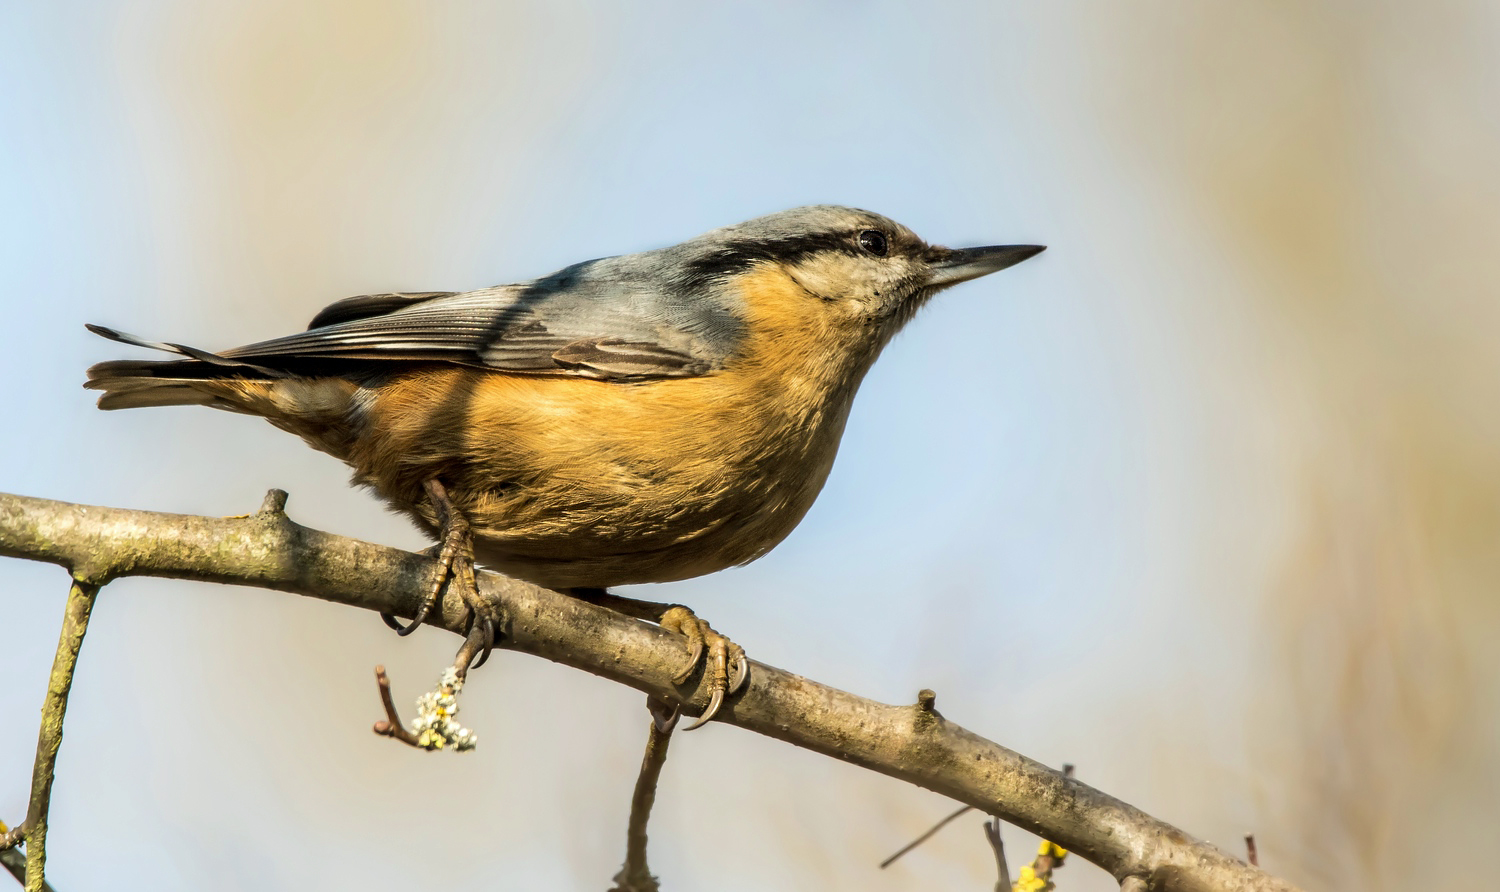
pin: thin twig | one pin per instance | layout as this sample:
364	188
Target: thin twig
925	701
1002	869
636	876
14	863
1254	856
75	624
435	726
903	741
932	831
392	726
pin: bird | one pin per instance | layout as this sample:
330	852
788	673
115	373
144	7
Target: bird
639	418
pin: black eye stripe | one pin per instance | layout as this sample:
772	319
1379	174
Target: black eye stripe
738	256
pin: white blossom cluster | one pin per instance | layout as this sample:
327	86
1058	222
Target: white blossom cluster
434	725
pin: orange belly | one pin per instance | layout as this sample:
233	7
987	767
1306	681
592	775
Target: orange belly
569	482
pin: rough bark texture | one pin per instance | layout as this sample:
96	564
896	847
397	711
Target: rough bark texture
913	743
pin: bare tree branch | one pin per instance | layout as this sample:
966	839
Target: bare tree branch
913	743
54	709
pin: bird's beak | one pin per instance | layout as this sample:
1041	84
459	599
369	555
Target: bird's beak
949	266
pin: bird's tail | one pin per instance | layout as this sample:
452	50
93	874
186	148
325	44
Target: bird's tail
201	379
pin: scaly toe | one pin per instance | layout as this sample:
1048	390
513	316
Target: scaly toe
481	625
445	556
685	622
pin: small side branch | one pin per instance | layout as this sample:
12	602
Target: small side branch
14	863
636	876
75	624
1002	869
931	832
392	726
435	727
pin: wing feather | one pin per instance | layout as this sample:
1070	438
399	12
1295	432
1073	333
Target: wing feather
570	323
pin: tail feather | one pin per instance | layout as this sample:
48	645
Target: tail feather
180	349
198	380
317	408
125	388
159	394
123	338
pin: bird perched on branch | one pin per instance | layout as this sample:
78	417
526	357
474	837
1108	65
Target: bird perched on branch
641	418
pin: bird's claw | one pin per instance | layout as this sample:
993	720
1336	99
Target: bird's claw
695	641
717	654
480	639
664	715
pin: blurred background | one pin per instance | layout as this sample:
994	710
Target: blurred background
1205	500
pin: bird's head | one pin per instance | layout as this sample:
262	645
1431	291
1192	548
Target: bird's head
852	270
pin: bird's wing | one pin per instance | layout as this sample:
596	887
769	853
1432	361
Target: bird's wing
572	323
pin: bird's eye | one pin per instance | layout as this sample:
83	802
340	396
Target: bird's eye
873	240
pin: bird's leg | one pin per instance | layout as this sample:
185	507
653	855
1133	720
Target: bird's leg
455	555
434	726
636	876
716	653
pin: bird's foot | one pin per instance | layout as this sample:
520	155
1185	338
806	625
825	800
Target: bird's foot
455	556
707	648
435	727
717	654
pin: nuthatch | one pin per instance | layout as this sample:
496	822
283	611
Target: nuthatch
641	418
